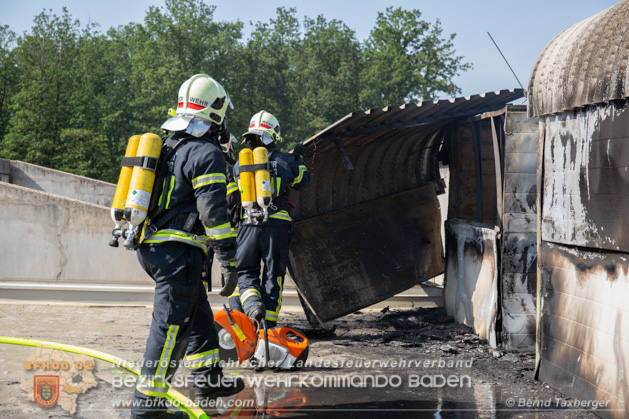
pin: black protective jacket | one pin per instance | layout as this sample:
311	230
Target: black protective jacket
195	187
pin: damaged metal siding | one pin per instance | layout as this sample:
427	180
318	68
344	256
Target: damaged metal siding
583	330
519	231
369	224
471	294
585	178
585	327
368	252
494	193
472	197
584	267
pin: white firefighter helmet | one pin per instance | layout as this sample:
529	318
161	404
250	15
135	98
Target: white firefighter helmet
202	101
266	126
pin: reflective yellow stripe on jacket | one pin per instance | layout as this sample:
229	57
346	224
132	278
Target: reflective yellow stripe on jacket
203	180
281	215
271	316
169	235
223	231
232	187
302	170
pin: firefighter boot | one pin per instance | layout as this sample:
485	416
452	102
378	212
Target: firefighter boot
257	312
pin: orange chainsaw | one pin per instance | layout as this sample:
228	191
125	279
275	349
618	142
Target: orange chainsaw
240	340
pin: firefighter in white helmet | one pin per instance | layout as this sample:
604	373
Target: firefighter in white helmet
267	242
191	215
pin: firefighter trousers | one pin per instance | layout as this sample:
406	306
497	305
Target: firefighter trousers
266	243
182	324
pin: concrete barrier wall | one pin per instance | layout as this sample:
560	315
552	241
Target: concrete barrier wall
52	238
56	182
56	228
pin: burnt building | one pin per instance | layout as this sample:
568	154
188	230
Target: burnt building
535	252
370	224
578	89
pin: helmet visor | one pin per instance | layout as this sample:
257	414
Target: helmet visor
264	135
177	123
198	127
192	125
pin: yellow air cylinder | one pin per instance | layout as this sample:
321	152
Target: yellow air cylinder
247	180
142	179
262	178
122	188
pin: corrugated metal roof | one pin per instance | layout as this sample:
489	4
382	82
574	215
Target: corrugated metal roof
410	114
368	225
586	64
389	150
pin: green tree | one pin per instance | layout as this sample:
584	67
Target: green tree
64	87
84	153
41	106
8	76
268	73
174	43
406	59
327	74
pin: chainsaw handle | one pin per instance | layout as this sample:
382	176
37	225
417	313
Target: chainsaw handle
266	342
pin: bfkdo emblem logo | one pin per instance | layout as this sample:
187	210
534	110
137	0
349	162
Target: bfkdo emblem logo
46	390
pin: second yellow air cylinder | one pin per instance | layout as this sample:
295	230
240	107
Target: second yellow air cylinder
262	178
142	179
246	182
122	188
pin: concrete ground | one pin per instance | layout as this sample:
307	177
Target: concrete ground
387	363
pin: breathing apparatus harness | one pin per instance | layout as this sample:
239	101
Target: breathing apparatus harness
159	216
255	182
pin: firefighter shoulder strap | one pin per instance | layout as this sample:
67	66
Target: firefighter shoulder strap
155	220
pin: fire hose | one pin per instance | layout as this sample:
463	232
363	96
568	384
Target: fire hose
176	398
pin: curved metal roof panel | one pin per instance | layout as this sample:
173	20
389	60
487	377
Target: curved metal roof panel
368	225
586	64
371	154
418	113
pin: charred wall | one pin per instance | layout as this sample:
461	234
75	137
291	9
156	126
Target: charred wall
585	178
584	269
518	217
368	226
493	188
585	325
368	252
579	89
471	293
472	193
351	171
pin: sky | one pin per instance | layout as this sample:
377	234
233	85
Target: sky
520	28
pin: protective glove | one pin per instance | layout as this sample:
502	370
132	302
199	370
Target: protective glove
299	150
229	277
